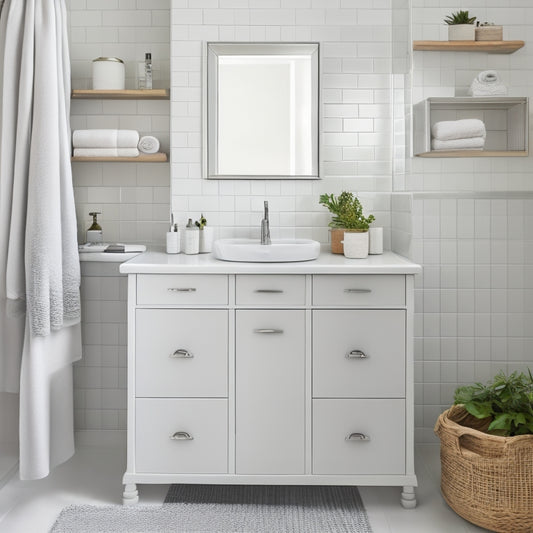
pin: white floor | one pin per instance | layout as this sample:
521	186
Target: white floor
93	476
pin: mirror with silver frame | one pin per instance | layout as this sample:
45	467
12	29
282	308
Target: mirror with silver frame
261	111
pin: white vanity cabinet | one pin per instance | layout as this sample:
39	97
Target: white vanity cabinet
289	373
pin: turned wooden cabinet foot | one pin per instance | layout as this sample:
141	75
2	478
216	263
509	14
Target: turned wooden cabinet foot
408	498
130	496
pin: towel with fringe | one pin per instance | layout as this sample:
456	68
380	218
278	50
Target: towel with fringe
487	83
449	130
106	152
472	143
105	139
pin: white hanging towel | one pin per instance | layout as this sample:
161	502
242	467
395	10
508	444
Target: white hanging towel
148	144
473	143
39	264
105	139
487	83
448	130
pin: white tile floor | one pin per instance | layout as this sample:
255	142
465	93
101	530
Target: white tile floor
93	476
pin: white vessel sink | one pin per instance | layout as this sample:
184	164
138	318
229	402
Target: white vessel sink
252	251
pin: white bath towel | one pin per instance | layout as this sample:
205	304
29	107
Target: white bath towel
105	139
106	152
448	130
487	83
473	143
148	144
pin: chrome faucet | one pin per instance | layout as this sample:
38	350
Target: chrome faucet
265	227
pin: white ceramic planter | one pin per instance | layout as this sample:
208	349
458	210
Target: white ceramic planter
206	240
356	244
461	32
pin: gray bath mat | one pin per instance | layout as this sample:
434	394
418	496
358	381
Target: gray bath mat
223	508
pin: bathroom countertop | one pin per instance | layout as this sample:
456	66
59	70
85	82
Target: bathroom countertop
152	262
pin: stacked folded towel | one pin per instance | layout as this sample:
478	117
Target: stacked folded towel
487	83
465	134
105	143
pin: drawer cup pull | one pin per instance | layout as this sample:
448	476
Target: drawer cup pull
181	354
278	331
358	291
181	289
269	291
358	437
181	435
356	354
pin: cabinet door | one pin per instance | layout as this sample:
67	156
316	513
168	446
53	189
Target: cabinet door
270	392
359	354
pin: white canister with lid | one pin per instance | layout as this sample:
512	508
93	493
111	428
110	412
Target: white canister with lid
108	73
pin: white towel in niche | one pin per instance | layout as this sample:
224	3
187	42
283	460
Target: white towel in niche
473	143
449	130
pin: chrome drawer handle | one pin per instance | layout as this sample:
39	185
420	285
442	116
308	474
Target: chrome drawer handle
356	354
358	437
269	291
268	331
358	291
181	435
181	354
181	289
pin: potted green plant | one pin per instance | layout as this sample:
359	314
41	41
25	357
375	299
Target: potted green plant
348	217
461	26
487	453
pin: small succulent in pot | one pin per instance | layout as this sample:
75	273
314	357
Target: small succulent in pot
460	17
202	223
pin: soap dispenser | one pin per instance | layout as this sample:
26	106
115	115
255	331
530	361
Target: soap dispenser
94	233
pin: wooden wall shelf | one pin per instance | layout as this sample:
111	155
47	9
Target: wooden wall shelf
127	94
474	153
492	47
160	157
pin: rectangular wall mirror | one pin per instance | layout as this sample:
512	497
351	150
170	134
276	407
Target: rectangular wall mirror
261	111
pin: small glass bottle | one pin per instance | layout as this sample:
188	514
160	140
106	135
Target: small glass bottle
192	238
148	70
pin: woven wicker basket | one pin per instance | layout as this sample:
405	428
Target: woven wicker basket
486	479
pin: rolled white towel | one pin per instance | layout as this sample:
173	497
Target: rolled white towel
489	76
487	83
148	144
448	130
472	143
106	152
105	139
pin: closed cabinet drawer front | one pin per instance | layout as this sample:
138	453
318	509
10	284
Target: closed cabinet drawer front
270	392
270	290
359	354
359	437
165	289
181	436
181	352
359	290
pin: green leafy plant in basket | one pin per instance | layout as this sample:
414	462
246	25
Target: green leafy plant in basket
506	400
460	17
347	211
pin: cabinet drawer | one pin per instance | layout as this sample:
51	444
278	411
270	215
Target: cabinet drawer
363	290
181	352
181	436
270	290
186	289
381	422
359	353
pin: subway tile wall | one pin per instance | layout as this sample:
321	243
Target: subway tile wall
355	38
470	225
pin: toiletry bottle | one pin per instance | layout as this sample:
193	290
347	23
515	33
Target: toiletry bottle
94	233
192	238
173	240
148	71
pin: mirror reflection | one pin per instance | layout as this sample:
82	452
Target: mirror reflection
262	110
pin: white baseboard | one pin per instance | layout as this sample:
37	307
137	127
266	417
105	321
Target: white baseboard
100	437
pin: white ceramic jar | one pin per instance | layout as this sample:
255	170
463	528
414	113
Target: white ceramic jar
108	73
356	244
